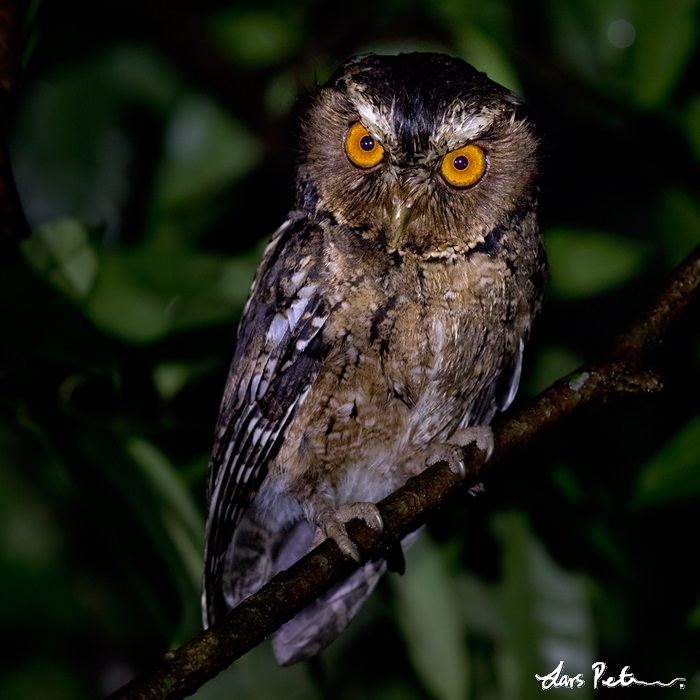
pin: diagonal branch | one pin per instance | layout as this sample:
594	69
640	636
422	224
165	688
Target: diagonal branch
621	371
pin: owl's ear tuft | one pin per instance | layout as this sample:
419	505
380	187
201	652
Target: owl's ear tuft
521	112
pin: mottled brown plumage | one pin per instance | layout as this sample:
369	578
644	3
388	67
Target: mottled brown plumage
385	325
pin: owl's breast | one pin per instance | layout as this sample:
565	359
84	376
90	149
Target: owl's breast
412	355
449	342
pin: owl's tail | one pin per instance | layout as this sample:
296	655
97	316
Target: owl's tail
322	621
261	548
315	627
258	551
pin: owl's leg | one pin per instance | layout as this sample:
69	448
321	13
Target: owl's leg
331	524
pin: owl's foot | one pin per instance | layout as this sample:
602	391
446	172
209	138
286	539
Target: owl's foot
452	452
333	526
480	435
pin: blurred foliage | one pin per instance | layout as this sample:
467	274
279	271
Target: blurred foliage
154	146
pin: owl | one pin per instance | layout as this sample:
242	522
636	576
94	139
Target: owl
385	325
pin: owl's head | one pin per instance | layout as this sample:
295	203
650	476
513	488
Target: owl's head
420	151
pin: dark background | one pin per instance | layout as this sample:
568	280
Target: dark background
153	145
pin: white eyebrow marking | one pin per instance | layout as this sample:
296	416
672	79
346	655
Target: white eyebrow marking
458	128
377	118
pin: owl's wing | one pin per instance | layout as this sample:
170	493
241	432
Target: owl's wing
499	393
278	354
509	380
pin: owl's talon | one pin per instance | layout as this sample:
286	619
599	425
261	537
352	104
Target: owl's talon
459	468
452	451
452	455
365	511
480	435
333	527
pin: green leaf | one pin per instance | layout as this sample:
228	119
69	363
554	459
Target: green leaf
551	363
146	522
180	515
679	220
73	152
64	254
566	481
427	601
140	301
170	378
481	50
585	263
673	474
694	617
577	30
33	546
635	51
256	676
257	38
480	606
123	306
666	41
41	676
205	150
39	321
546	609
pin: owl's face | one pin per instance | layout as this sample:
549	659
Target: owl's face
419	152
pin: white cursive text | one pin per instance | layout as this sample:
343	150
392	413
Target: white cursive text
558	679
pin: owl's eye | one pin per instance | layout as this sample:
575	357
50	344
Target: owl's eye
362	148
464	166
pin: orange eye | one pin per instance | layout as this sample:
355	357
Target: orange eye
362	148
464	166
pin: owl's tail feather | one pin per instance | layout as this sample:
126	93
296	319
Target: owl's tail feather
258	551
322	621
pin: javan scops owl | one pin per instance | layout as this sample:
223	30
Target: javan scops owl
387	316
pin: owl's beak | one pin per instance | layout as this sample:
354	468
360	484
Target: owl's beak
402	211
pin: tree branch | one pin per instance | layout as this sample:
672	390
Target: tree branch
621	371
